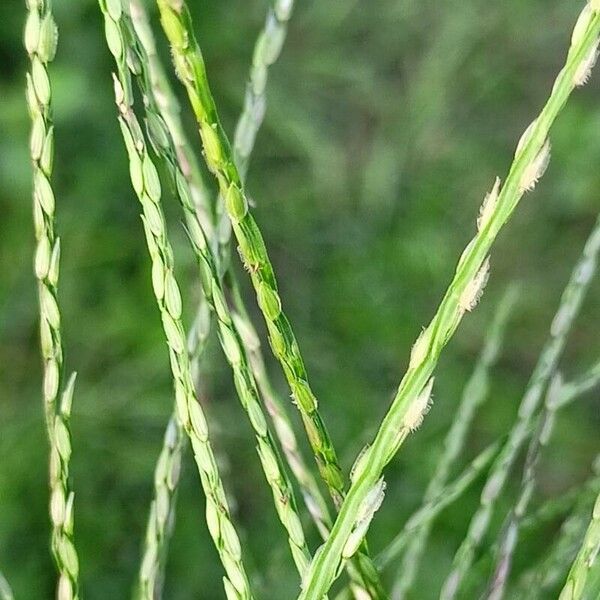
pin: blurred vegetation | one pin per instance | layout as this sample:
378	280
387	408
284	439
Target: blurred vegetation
387	122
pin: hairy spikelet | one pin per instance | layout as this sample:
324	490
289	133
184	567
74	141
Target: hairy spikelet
419	408
488	206
474	290
536	168
583	72
419	349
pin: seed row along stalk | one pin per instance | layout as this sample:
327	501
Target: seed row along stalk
146	185
161	518
167	471
161	95
190	68
412	399
570	304
474	395
266	51
229	337
41	36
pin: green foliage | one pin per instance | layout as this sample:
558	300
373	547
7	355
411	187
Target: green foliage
385	122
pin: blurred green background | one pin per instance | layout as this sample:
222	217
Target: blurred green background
387	122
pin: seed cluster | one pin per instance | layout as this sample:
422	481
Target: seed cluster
146	183
41	38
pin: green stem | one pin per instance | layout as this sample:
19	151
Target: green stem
229	337
584	561
570	304
407	407
5	589
146	184
474	394
219	157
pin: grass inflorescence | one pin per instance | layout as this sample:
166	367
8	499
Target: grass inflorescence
336	508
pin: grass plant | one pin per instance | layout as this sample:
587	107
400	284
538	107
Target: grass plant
337	509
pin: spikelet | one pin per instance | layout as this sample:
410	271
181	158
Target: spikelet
358	467
583	21
373	500
419	349
525	137
366	512
488	206
419	407
535	169
583	72
472	293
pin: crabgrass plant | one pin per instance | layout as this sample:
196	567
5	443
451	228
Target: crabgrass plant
160	139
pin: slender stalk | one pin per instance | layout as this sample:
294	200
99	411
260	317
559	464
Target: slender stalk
41	37
313	498
229	336
541	580
433	506
577	387
411	400
557	397
160	522
162	513
552	509
190	68
146	184
269	40
575	584
266	51
529	409
474	394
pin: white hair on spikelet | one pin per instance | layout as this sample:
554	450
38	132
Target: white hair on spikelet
472	293
419	407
